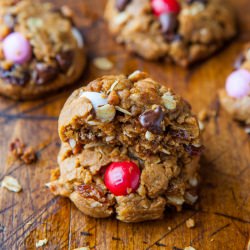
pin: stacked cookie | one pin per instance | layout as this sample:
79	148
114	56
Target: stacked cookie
130	147
41	50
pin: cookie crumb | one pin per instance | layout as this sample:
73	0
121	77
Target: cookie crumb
103	63
190	223
169	228
41	243
189	248
11	184
21	152
248	245
212	240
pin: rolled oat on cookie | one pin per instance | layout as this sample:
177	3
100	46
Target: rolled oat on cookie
182	31
41	50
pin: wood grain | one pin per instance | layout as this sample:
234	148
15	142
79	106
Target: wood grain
223	217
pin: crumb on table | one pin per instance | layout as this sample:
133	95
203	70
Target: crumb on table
190	223
22	152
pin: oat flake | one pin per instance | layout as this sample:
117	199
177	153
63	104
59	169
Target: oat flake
41	243
103	63
11	184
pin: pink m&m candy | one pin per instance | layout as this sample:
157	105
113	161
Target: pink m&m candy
238	83
17	48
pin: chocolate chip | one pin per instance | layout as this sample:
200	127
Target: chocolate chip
200	1
168	25
121	4
45	73
151	120
65	60
239	60
15	75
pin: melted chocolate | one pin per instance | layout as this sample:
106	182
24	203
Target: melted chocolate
45	73
65	60
151	120
15	75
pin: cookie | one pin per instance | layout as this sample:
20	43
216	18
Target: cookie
41	49
181	31
235	98
130	147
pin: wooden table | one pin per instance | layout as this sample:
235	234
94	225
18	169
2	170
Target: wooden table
223	217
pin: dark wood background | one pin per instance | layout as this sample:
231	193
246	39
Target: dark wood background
223	218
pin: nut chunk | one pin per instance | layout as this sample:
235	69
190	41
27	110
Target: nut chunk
130	147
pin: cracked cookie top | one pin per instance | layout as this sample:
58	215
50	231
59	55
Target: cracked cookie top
133	111
38	42
183	31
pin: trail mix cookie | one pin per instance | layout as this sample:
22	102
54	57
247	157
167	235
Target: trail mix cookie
235	98
41	50
183	31
130	147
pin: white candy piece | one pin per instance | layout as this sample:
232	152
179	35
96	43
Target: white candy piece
96	98
78	36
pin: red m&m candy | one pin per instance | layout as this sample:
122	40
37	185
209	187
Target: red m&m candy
165	6
122	178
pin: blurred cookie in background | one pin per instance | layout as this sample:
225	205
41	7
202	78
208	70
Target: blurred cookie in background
41	49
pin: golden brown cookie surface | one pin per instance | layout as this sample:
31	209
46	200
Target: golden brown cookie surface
120	119
56	48
198	29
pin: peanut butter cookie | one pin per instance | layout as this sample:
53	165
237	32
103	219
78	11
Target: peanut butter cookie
130	147
41	50
183	31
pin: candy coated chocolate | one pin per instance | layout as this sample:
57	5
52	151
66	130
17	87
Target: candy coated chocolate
238	83
17	48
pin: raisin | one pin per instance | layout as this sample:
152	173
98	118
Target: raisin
91	191
194	151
